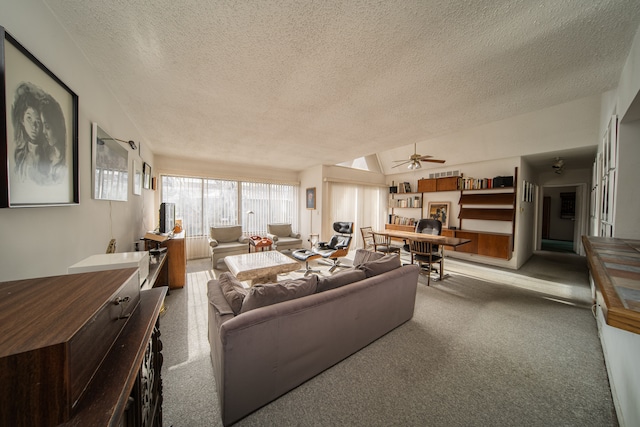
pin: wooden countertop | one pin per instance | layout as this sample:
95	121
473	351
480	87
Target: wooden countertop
615	267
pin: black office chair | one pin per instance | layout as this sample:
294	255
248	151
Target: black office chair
426	226
334	249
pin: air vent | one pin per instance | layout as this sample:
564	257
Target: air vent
444	174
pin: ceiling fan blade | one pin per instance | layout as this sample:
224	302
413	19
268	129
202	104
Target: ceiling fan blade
425	157
400	164
433	160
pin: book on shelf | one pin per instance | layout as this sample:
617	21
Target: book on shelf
477	183
410	202
401	220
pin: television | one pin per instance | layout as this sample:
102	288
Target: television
167	217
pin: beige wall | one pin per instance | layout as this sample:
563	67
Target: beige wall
44	241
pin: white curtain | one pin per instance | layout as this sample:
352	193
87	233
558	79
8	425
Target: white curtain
264	204
364	205
203	203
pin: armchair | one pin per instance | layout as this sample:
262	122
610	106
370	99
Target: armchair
283	237
225	241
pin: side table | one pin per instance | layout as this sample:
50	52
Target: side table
261	243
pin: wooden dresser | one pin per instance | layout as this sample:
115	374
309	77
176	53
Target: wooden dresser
80	349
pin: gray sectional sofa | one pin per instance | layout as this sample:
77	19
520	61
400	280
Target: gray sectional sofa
268	339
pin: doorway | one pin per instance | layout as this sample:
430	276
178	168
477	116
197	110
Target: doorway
559	214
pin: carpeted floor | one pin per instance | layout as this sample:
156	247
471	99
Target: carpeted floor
483	348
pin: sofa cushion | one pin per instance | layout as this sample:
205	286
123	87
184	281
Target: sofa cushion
343	278
379	266
272	293
363	255
217	299
226	234
233	291
229	247
280	230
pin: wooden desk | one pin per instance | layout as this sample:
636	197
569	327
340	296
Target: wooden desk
615	267
429	238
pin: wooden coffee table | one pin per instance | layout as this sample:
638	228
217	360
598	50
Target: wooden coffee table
260	267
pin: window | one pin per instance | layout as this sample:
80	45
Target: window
202	203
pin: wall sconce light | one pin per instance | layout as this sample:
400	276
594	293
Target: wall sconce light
131	143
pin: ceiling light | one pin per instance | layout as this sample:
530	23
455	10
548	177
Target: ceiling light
558	165
414	165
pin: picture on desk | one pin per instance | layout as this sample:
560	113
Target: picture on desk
440	211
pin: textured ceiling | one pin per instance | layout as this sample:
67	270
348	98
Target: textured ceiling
295	84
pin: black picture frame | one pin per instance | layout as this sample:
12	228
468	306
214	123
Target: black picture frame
146	173
311	198
39	166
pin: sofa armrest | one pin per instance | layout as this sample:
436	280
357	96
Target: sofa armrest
273	237
295	235
243	239
213	242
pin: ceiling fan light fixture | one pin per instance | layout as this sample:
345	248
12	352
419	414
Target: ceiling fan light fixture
558	165
414	165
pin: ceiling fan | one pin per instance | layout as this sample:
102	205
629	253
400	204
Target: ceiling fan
415	159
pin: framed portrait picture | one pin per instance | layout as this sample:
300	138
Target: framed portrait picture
439	211
137	178
311	198
146	176
39	153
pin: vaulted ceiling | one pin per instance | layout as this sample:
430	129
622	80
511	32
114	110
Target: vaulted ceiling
301	83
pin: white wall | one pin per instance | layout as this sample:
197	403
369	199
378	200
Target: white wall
44	241
311	219
621	348
627	210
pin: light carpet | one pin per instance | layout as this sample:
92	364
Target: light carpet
481	349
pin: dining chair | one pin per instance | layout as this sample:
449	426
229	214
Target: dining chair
367	237
382	243
426	253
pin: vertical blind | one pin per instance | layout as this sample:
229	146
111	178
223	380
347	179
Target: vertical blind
363	205
202	203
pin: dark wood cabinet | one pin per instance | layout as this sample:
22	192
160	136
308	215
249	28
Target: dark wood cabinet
176	262
450	183
177	259
72	349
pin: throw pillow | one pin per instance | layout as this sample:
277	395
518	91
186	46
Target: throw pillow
363	255
379	266
233	291
340	279
272	293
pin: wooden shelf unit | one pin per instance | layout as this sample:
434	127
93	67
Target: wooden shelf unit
481	204
487	204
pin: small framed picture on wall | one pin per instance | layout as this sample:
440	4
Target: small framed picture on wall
440	211
146	176
311	198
